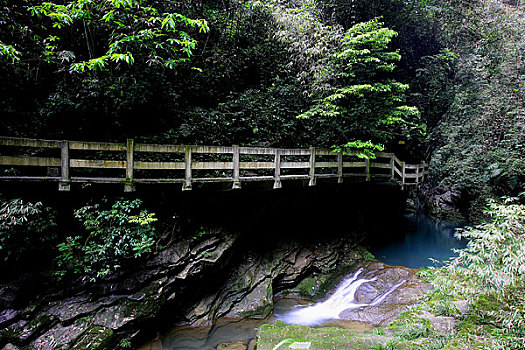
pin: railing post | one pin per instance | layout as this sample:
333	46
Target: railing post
423	165
312	167
403	171
187	173
64	184
417	174
340	167
392	166
367	169
236	168
129	186
277	164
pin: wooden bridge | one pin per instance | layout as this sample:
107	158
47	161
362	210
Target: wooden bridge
132	163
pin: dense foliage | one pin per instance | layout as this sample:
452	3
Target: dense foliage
24	227
478	142
490	275
112	237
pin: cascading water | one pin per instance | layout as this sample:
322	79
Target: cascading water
343	299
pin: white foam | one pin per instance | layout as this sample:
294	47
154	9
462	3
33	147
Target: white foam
342	299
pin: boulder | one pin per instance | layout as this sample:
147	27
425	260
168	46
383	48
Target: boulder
233	346
409	288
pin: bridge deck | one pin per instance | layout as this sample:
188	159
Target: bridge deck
134	163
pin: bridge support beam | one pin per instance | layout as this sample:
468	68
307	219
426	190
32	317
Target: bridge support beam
64	184
392	167
311	173
129	185
186	186
277	165
236	168
403	173
340	167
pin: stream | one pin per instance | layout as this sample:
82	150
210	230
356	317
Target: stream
423	238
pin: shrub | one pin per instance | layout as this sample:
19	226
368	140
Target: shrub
23	226
111	238
490	274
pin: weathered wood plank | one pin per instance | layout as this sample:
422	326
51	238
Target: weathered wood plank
379	165
30	178
212	149
354	164
159	165
398	172
97	164
399	162
97	146
383	155
29	161
326	164
154	181
257	178
22	142
101	180
256	150
411	166
295	165
257	165
212	165
326	176
294	177
295	152
153	148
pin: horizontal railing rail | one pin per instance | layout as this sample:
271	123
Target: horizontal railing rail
137	163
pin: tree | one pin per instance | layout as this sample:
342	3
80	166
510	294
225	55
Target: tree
75	64
362	106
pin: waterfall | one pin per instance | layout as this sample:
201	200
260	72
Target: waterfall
342	299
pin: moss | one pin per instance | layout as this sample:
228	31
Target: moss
99	338
270	335
260	312
367	256
309	288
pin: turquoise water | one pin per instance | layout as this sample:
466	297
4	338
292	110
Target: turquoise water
421	237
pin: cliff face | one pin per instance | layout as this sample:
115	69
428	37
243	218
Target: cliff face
194	280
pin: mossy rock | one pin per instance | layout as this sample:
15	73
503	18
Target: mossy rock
269	335
96	338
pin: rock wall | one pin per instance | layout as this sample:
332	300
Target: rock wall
110	314
192	282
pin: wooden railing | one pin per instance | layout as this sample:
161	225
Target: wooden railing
134	163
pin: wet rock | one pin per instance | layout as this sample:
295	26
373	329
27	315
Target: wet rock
252	345
233	346
90	319
10	347
8	315
442	201
442	324
384	278
462	306
250	290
